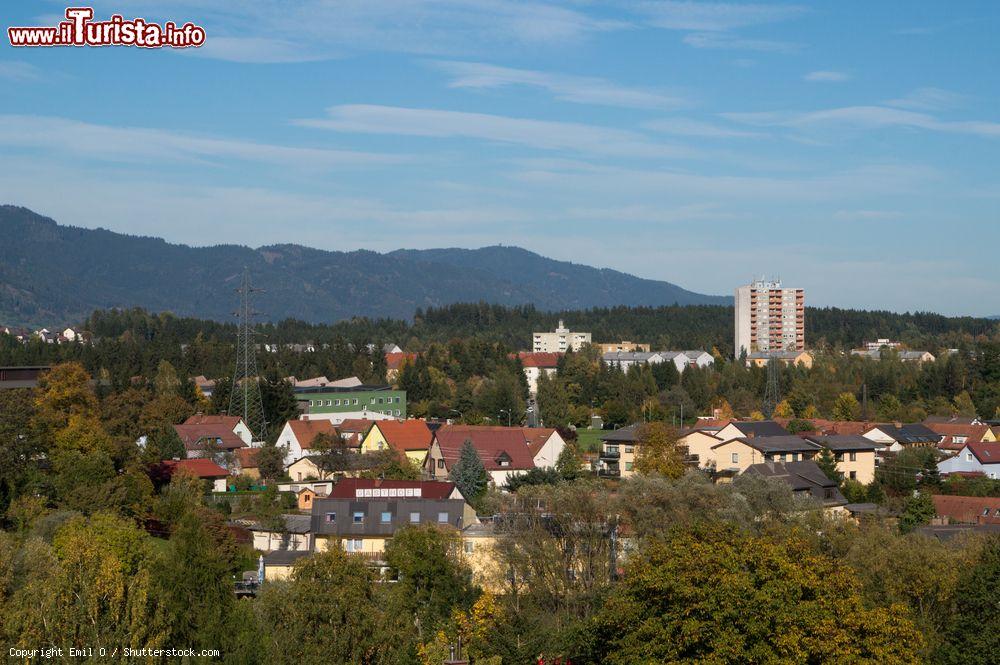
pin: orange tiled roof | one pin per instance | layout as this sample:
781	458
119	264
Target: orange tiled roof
404	435
307	430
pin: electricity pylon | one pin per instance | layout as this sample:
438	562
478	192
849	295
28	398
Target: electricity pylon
245	399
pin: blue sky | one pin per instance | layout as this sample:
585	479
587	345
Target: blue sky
849	147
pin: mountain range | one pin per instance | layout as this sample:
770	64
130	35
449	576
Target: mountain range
51	274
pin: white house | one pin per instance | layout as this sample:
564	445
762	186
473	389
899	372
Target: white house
898	436
974	458
296	535
681	359
297	437
537	363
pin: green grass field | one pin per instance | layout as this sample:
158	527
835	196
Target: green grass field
589	440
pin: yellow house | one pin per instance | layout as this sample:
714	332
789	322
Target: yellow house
306	469
736	455
479	551
761	358
411	438
855	455
699	445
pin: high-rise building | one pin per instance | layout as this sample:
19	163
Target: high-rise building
560	341
769	318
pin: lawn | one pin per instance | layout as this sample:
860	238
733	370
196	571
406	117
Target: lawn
589	440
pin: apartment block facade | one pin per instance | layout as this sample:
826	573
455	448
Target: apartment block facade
560	341
769	318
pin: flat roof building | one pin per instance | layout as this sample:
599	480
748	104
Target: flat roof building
769	318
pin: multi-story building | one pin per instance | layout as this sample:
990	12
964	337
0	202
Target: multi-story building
623	346
769	318
333	402
560	341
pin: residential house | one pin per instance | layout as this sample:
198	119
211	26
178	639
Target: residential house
618	452
504	451
362	515
537	363
410	438
904	356
681	359
394	364
855	455
278	565
295	535
804	478
955	435
698	441
297	437
204	440
391	348
204	385
305	468
966	509
234	423
761	358
974	458
545	445
735	456
897	436
751	428
206	469
246	462
23	376
560	341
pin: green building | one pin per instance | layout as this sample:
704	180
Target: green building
354	400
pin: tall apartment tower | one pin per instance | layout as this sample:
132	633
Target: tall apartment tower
769	318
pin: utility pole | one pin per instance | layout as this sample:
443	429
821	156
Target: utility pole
245	400
772	391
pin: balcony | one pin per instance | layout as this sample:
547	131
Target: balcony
610	472
610	454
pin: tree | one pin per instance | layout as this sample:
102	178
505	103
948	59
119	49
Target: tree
332	611
271	461
553	401
535	476
846	407
889	408
713	594
63	391
166	381
827	463
18	445
972	636
784	410
658	452
917	511
432	581
569	464
964	405
469	474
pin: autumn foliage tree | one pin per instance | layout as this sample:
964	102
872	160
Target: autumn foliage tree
657	450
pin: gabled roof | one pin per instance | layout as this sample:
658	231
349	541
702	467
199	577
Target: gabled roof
213	419
986	453
394	361
247	457
198	467
539	359
348	488
754	428
950	430
628	434
489	442
405	435
195	437
536	437
844	442
775	444
306	431
355	426
909	433
968	509
803	476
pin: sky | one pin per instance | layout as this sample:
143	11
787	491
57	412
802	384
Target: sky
849	148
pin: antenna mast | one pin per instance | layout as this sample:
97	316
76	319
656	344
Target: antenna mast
245	399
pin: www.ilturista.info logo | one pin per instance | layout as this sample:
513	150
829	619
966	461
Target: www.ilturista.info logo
80	30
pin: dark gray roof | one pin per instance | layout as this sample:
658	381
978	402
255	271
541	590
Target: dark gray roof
949	531
840	442
284	557
623	434
760	428
803	476
293	524
910	433
776	444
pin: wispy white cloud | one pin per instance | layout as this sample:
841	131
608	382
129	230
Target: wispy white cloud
827	76
579	89
699	128
15	70
725	41
542	134
714	16
929	99
868	117
135	144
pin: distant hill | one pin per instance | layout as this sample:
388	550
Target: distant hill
52	274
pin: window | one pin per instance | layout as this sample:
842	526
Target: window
840	457
386	517
854	475
354	545
736	458
381	401
355	401
415	518
397	411
968	457
359	517
331	518
311	403
336	402
784	457
468	546
795	457
397	401
960	439
628	466
854	456
373	400
441	463
628	449
442	518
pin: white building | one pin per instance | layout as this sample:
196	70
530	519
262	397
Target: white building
681	359
981	458
769	318
560	341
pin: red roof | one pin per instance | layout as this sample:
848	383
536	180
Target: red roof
394	361
972	433
539	359
247	457
198	467
306	431
969	509
202	419
355	426
986	453
194	436
404	435
536	437
494	445
429	489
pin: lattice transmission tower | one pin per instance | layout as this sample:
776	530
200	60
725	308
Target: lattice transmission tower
772	391
245	399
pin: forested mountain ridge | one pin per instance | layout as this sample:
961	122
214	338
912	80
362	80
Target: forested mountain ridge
52	274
